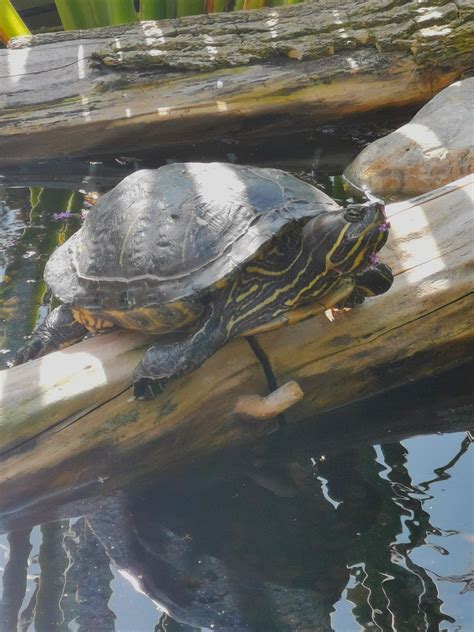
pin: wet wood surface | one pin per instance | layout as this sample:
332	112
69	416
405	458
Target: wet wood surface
225	76
69	427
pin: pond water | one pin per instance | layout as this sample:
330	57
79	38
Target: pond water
362	522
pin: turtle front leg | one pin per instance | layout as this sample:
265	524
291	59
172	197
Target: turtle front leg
162	363
59	329
374	281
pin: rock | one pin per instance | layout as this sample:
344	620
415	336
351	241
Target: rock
435	148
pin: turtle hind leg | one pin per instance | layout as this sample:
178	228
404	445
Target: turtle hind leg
162	363
59	329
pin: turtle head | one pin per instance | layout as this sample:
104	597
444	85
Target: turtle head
347	240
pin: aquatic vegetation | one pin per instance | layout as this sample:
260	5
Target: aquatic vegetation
23	297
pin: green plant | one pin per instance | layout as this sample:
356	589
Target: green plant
86	14
189	7
157	9
11	25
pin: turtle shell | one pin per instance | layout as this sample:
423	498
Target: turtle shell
162	235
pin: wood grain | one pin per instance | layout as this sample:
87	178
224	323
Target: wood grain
225	76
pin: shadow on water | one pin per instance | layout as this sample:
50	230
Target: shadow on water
309	533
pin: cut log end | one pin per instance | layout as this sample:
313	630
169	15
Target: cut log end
256	407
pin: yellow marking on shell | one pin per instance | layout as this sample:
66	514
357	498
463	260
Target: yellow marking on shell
91	321
329	263
271	299
155	320
305	290
355	248
101	324
252	269
264	272
358	260
285	289
220	285
361	254
340	290
242	297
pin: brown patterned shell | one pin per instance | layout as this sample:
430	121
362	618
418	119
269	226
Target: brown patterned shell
163	235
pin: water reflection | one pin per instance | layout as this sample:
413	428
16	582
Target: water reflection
299	544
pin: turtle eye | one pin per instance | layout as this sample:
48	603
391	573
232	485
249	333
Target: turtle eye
355	213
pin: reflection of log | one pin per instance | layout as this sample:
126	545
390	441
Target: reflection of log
149	84
69	416
14	579
53	562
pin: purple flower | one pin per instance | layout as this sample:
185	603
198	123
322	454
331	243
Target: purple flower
384	227
64	215
373	259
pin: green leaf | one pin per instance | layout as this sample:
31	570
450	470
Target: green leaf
11	25
86	14
157	9
119	11
189	7
253	4
74	14
215	6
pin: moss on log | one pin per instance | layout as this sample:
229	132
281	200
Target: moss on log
70	430
160	84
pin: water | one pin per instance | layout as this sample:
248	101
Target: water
362	522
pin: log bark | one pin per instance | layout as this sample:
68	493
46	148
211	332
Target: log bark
230	75
70	428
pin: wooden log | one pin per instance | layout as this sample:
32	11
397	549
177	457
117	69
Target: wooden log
437	404
70	427
152	84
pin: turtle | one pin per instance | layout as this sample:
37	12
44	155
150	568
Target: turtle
210	250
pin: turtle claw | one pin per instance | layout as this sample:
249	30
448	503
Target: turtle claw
30	351
147	389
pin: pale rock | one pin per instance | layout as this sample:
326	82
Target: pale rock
435	148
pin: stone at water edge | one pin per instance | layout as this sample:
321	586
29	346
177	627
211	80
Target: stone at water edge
435	148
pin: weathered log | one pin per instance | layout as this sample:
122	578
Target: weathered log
151	84
437	404
70	427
